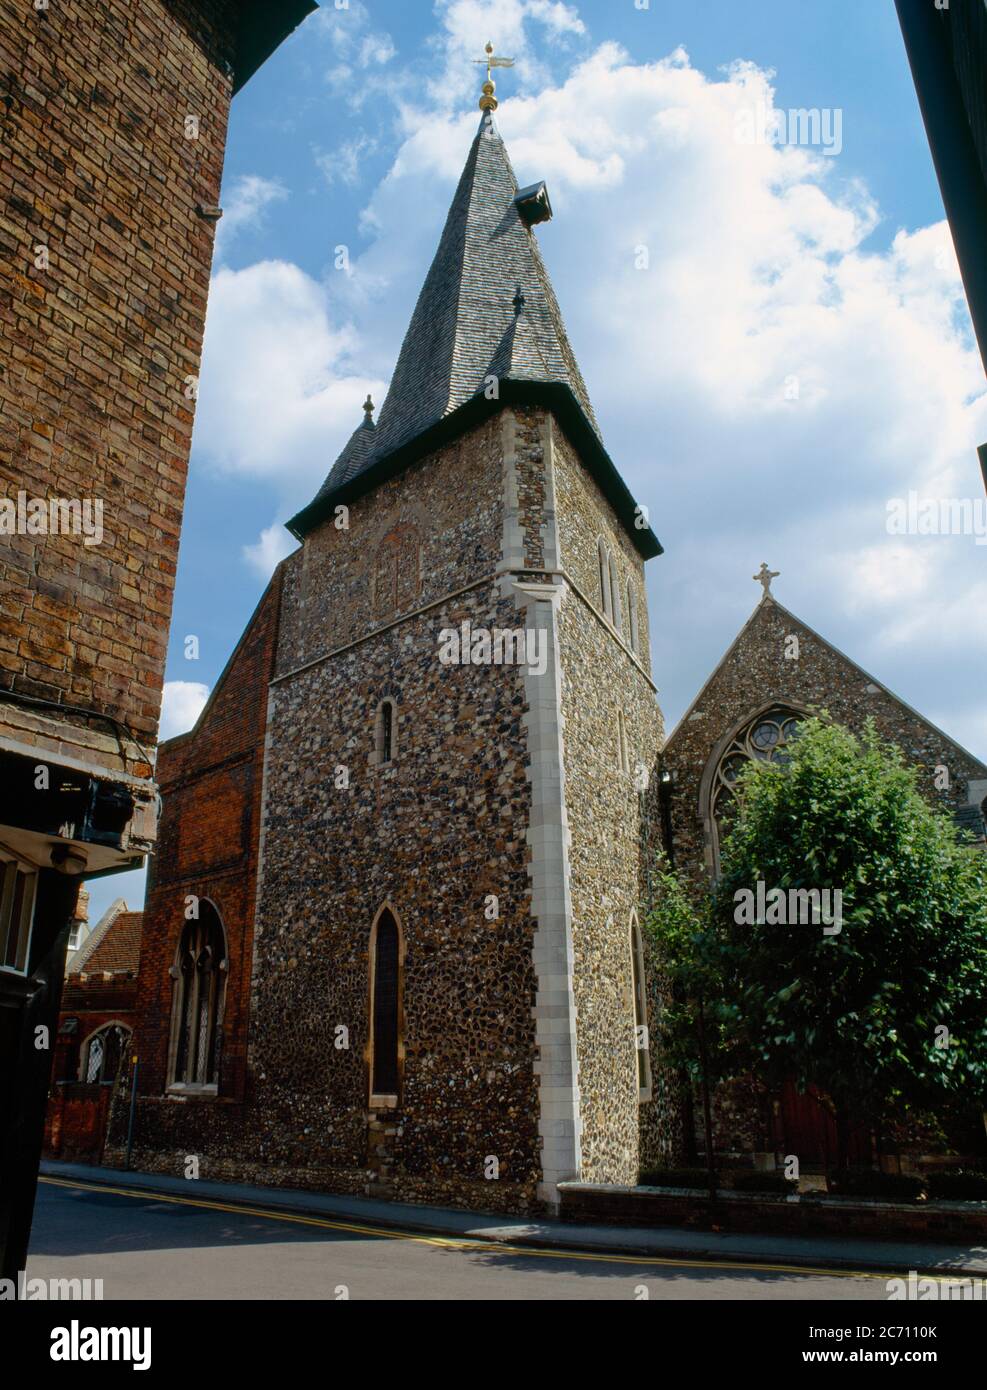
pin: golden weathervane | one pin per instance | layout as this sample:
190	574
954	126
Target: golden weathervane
488	102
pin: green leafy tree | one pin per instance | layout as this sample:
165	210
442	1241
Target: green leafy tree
886	1006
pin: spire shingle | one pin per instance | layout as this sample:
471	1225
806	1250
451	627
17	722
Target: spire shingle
486	310
465	327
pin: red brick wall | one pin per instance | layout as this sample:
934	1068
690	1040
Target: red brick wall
211	782
96	348
94	1003
75	1125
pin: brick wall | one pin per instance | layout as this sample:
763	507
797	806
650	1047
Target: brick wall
98	345
210	783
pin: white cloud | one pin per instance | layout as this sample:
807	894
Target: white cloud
181	704
279	392
766	385
244	207
270	548
467	24
344	164
358	50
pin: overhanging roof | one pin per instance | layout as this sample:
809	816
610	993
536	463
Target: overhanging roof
553	395
259	28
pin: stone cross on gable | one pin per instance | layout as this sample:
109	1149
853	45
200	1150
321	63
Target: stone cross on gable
764	577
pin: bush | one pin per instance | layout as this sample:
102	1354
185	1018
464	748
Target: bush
957	1186
774	1182
870	1182
674	1177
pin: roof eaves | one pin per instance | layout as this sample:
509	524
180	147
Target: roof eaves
260	28
557	395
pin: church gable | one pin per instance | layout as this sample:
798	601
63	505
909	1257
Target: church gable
777	669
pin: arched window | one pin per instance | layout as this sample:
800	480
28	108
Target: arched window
385	732
385	1011
606	598
199	975
102	1054
765	738
633	633
642	1041
616	615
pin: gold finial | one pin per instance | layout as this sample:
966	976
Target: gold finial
368	406
764	577
488	102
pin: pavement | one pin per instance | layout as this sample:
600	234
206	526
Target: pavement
808	1252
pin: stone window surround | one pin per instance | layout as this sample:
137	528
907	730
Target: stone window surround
610	601
377	762
87	1042
633	632
708	779
384	1102
616	608
205	1089
606	566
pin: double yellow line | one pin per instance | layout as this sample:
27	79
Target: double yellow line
454	1243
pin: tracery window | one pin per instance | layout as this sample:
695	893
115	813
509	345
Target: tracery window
199	975
767	739
103	1054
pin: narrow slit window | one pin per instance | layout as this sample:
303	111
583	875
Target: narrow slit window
605	590
633	633
615	611
385	1009
385	730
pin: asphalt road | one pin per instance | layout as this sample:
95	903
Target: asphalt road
153	1248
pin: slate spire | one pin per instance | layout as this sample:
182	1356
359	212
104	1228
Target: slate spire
486	310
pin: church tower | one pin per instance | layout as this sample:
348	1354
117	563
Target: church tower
447	973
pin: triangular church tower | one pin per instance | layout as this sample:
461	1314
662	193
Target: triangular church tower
447	973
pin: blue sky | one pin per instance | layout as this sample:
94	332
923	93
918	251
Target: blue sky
795	354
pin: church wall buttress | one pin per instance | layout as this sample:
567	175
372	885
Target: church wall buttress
609	836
